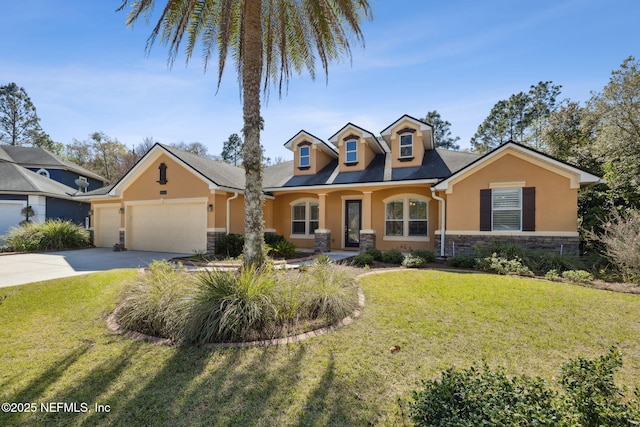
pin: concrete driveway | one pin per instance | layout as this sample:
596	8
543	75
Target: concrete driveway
18	269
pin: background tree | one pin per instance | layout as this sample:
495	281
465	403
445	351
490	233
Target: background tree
101	154
269	40
441	131
18	119
197	148
616	114
232	150
541	103
521	118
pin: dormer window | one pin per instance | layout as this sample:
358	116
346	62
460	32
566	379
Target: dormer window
406	146
351	152
305	157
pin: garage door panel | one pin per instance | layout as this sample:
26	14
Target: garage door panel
107	226
10	215
172	227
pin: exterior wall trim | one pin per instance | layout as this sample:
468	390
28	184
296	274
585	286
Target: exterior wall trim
510	233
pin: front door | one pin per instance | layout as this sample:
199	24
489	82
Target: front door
353	223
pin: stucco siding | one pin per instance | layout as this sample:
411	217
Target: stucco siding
556	203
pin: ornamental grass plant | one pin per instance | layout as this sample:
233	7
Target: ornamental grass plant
239	305
55	234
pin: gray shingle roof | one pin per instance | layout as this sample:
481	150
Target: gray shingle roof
16	179
436	164
39	157
220	173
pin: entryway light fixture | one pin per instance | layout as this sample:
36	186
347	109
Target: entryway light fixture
209	207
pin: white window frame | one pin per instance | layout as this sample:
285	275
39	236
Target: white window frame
308	203
496	192
306	157
347	151
43	172
401	146
406	198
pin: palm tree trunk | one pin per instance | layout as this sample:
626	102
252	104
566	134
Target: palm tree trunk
251	150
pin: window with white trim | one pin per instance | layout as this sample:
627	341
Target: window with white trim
305	157
407	216
304	218
351	151
406	146
506	209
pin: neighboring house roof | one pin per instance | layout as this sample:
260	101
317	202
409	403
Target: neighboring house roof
37	157
583	178
19	180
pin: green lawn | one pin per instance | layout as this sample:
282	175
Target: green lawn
55	347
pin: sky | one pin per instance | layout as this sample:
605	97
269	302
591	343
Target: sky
86	71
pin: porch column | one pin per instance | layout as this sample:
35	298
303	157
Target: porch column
322	217
367	233
322	241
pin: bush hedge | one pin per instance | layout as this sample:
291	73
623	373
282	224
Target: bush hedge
473	397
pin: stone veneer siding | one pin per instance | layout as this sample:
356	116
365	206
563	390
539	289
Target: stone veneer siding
322	241
367	240
465	244
212	236
122	238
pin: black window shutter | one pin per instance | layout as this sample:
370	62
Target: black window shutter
485	210
529	209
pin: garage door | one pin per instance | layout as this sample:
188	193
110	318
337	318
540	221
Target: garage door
167	227
10	214
106	226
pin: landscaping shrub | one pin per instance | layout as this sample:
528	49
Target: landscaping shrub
473	397
462	261
230	306
331	292
621	242
552	275
537	261
284	249
393	256
427	256
591	392
362	260
151	304
54	234
578	276
271	239
502	265
322	259
375	253
413	261
229	245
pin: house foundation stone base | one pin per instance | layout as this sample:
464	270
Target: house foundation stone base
322	242
367	240
122	238
457	244
212	236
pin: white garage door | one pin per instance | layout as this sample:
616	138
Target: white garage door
106	226
167	227
10	214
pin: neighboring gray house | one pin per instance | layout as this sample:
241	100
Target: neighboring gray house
32	176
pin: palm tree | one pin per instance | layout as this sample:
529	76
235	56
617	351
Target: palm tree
269	40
